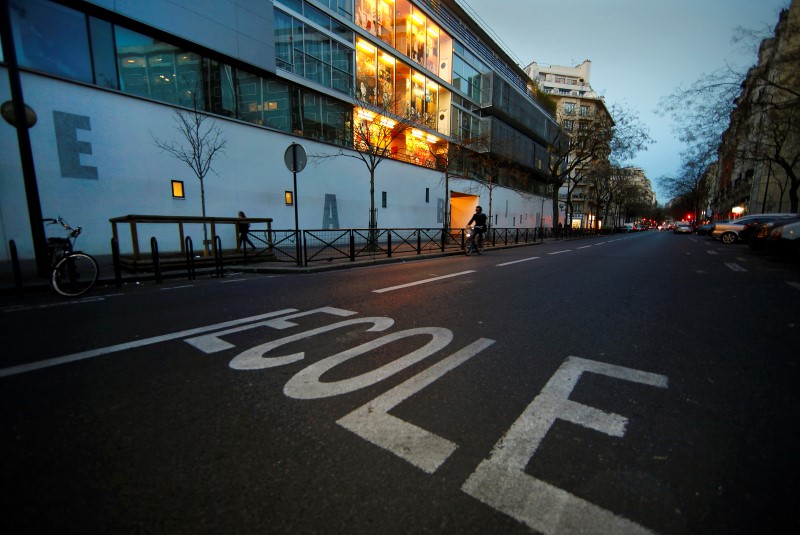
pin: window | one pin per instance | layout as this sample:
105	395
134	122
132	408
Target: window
383	199
584	111
313	54
177	189
51	38
569	125
569	108
427	194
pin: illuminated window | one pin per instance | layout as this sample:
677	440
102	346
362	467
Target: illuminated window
289	198
177	189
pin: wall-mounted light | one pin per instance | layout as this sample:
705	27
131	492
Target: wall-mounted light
177	190
288	197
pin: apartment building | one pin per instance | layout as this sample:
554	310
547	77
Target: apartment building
757	170
104	80
578	106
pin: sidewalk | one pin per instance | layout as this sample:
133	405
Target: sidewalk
32	283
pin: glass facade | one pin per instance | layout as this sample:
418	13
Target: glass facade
64	42
307	51
410	67
405	28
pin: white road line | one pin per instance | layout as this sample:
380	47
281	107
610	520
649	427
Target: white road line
559	252
23	368
20	308
518	261
585	247
177	287
712	252
794	284
400	287
734	267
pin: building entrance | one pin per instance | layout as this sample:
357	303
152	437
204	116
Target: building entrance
462	208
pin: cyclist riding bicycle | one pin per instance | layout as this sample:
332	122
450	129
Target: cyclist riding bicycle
479	218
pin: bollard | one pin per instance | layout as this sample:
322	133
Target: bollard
15	265
156	259
419	242
388	244
352	247
301	250
218	256
297	248
189	258
116	262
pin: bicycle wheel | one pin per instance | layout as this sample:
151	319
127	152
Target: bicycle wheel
75	275
468	248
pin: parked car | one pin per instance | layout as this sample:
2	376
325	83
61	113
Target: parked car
759	233
784	240
682	228
728	231
704	229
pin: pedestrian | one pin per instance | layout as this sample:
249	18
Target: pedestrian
244	229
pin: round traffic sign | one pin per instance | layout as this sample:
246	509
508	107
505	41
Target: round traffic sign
295	158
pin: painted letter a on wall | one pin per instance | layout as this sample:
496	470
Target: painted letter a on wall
330	214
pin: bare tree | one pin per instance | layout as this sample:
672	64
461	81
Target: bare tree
692	183
759	105
375	136
200	142
595	140
779	145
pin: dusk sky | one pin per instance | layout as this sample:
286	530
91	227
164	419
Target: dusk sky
641	50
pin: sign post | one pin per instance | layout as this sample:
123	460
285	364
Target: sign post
295	159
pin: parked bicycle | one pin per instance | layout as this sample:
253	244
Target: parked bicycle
73	272
474	241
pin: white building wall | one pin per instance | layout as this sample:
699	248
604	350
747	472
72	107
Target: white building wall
134	177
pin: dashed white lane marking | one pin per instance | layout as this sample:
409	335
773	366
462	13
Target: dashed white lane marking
559	252
177	287
734	267
585	247
401	286
794	284
712	252
20	308
518	261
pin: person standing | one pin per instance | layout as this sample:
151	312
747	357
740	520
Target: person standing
244	229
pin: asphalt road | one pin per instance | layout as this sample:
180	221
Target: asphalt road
637	383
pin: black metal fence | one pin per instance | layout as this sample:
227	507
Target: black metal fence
350	245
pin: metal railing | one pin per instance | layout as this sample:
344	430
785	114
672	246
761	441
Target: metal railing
350	245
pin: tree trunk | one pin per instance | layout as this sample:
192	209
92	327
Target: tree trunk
556	211
203	205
